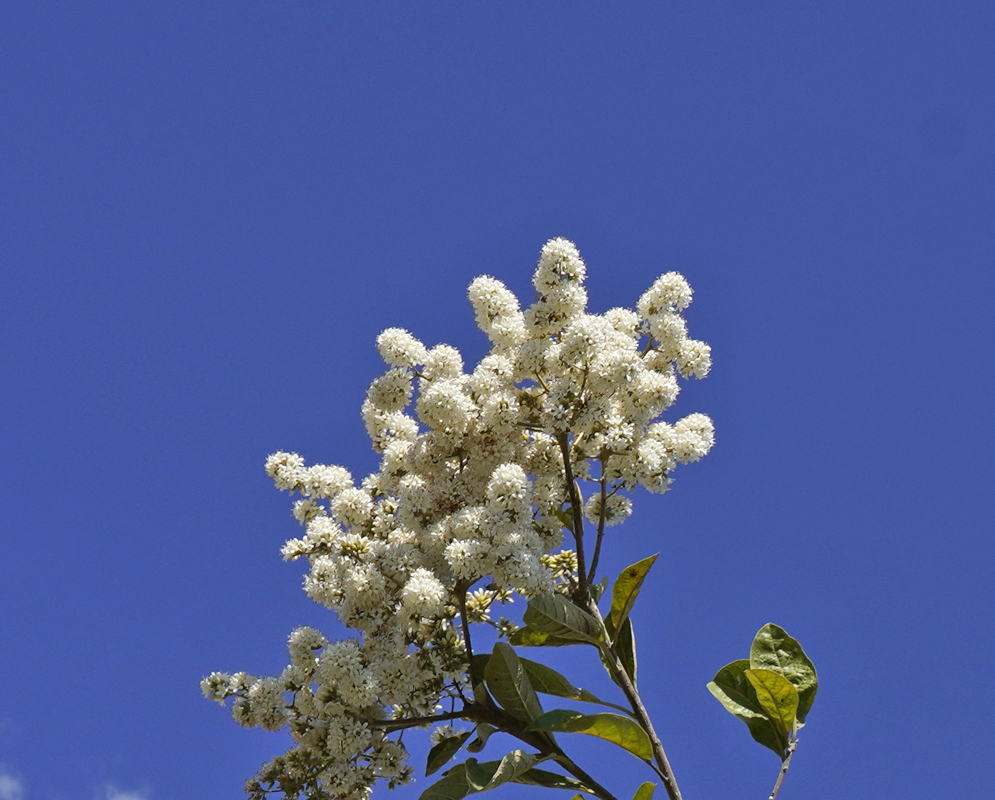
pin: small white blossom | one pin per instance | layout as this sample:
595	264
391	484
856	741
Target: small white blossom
400	349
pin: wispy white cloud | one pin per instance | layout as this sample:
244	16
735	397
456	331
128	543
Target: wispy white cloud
11	788
113	793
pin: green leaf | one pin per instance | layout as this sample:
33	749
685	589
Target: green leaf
442	753
626	589
598	589
614	728
483	731
773	649
734	690
509	683
645	792
625	648
555	615
777	696
549	681
480	663
530	637
452	786
550	780
485	776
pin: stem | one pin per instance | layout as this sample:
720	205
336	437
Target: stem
662	766
578	518
461	592
391	725
601	525
792	746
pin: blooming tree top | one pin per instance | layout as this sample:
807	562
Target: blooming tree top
481	473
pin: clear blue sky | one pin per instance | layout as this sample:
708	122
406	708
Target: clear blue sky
209	210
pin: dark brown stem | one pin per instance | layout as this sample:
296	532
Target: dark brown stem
578	515
391	725
601	525
792	746
461	589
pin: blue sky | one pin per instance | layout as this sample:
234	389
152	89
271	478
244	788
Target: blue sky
208	212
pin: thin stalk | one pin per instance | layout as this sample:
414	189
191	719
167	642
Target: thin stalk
662	766
792	746
461	592
578	516
601	525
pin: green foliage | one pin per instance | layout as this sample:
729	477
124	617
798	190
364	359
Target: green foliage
614	728
773	649
556	616
626	590
508	682
645	791
772	691
549	681
442	753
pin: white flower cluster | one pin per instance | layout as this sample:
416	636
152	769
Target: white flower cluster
471	485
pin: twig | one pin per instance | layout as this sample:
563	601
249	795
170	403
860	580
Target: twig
662	766
792	746
578	518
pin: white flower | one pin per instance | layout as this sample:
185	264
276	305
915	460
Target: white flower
423	595
668	292
400	349
694	358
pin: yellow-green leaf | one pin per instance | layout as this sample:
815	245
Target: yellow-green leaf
777	696
614	728
645	792
626	589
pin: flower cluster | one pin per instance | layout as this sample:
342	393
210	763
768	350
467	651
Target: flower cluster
472	485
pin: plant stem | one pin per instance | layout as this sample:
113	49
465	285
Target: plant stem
792	746
461	592
578	516
662	766
601	526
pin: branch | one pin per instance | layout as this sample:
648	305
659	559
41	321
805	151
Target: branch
578	514
601	524
662	766
792	746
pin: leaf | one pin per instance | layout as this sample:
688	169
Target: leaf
550	780
625	648
485	776
483	731
530	637
645	791
555	615
626	589
734	690
452	786
480	664
509	683
614	728
773	649
598	589
442	753
777	696
549	681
